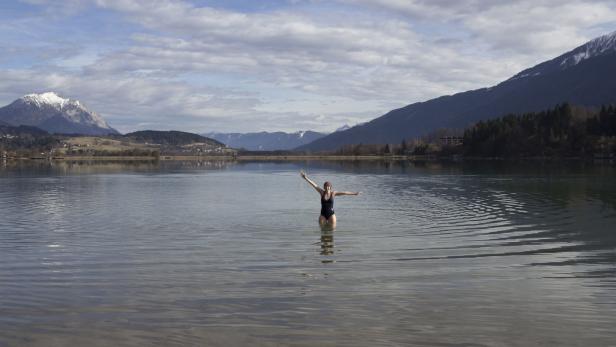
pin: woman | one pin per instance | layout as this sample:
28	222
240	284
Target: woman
327	216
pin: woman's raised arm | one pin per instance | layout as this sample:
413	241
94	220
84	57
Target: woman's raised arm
347	193
314	185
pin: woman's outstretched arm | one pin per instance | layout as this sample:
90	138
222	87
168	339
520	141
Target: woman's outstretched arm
314	185
347	193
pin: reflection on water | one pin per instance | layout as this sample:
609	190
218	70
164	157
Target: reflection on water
229	253
327	243
73	167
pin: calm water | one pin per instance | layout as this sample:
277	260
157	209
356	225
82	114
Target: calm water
231	254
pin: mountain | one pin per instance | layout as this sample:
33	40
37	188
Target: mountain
265	141
170	138
583	76
343	128
7	129
24	137
54	114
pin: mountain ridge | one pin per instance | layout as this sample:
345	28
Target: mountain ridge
54	114
170	137
542	86
266	141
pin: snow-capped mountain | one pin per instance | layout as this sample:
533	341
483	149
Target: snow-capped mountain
600	46
55	114
596	47
266	141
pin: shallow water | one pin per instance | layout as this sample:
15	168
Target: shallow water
231	254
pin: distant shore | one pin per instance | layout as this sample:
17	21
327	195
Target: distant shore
323	157
220	157
298	157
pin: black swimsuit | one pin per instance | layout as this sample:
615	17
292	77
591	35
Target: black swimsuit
327	206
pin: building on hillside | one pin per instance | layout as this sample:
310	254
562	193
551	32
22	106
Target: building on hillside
451	140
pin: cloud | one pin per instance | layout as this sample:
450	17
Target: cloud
340	58
523	27
202	68
548	28
126	101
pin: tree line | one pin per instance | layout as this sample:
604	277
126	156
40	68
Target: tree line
429	144
564	131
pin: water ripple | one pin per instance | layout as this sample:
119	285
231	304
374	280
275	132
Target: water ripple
151	255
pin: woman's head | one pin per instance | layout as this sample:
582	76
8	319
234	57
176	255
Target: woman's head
327	185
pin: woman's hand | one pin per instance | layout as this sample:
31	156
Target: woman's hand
314	185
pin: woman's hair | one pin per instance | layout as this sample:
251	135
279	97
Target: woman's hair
326	184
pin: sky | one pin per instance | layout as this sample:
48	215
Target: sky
279	65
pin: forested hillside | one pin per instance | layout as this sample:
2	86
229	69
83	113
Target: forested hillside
563	131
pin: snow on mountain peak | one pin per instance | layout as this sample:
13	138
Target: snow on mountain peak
70	109
601	45
606	41
48	98
342	128
592	48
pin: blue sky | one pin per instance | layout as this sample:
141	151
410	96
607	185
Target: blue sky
241	66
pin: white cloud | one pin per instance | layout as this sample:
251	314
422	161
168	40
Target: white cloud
202	68
127	101
343	58
523	27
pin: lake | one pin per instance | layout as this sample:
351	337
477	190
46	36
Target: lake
223	254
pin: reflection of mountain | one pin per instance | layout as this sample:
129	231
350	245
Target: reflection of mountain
583	76
580	233
554	214
46	168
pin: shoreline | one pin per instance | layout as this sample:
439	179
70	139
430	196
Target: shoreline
299	157
212	157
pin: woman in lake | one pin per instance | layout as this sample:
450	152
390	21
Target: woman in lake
327	217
